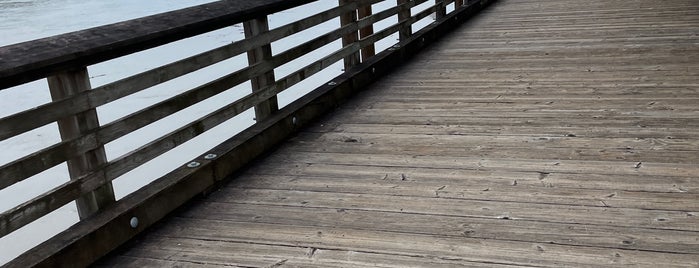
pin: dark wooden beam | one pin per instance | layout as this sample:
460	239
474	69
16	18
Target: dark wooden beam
62	86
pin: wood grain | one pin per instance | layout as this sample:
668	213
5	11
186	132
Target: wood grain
552	133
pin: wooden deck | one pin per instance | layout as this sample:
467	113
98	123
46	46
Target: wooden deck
543	133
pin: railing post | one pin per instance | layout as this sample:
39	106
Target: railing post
63	85
441	9
405	31
262	53
349	39
370	50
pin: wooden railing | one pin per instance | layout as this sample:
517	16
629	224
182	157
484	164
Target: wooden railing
63	61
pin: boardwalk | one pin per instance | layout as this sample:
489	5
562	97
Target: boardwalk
543	133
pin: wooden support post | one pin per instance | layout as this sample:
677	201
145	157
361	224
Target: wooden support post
458	4
349	39
403	14
441	9
262	53
370	50
63	85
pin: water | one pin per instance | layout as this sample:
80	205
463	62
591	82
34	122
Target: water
25	20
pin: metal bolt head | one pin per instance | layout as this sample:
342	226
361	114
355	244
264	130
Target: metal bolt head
373	70
210	156
133	222
332	83
193	164
294	120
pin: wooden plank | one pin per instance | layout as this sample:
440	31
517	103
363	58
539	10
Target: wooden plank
370	50
260	54
479	163
61	86
450	248
217	252
505	189
487	178
583	132
450	226
404	14
590	215
566	146
441	9
346	19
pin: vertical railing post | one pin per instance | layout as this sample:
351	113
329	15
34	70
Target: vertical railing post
349	39
370	50
441	9
64	85
405	31
458	4
256	55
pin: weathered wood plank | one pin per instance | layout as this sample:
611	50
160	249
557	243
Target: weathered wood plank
450	248
348	39
478	163
63	85
506	189
370	50
590	215
566	146
404	14
217	253
452	226
261	54
583	132
483	179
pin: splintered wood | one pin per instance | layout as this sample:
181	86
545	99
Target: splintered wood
543	133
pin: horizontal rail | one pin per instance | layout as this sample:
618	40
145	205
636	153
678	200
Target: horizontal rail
90	179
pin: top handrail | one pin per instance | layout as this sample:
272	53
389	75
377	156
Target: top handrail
32	60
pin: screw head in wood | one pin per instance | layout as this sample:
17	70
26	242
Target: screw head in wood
193	164
294	120
133	222
332	83
210	156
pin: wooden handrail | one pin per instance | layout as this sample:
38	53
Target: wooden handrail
74	103
28	61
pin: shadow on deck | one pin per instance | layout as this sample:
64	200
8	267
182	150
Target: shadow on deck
542	133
